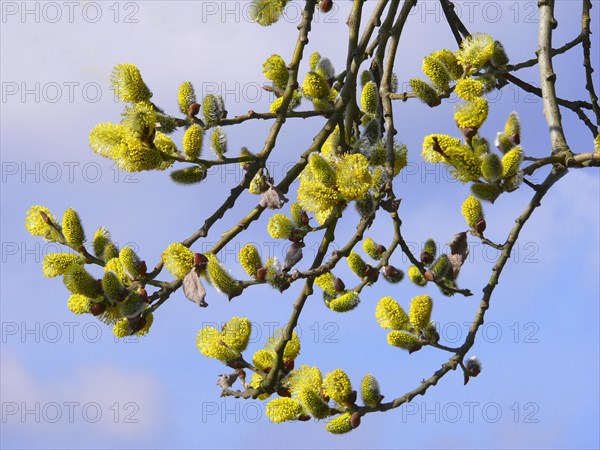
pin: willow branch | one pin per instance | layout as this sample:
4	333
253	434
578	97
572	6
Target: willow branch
388	113
547	76
304	29
575	106
353	22
577	161
555	51
456	25
587	63
488	290
250	115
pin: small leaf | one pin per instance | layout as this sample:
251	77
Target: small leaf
193	289
459	250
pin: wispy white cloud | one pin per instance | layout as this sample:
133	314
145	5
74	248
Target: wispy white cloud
97	403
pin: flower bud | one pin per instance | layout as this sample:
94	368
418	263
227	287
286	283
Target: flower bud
511	162
100	241
436	72
414	274
237	333
345	302
486	191
420	311
441	267
80	304
112	286
390	314
340	424
56	264
370	391
283	409
128	85
404	340
130	262
356	264
186	97
250	260
472	211
133	306
512	128
313	403
79	281
192	141
424	92
337	386
218	142
369	99
472	114
178	259
491	167
72	229
280	226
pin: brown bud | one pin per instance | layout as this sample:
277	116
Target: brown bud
45	217
200	261
355	420
516	138
235	293
371	274
304	418
284	285
352	397
429	275
142	268
144	294
304	218
99	286
98	308
466	378
381	249
326	5
235	364
137	325
339	285
297	235
390	205
416	348
436	102
469	132
284	392
392	275
480	227
288	365
261	274
241	373
436	146
194	109
426	258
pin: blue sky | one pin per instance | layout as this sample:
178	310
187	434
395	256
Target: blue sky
66	383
